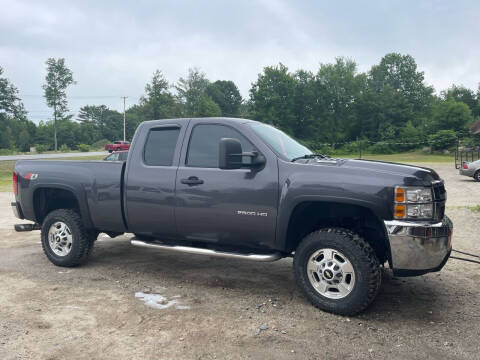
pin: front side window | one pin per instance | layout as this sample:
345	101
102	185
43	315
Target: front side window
160	146
203	150
279	141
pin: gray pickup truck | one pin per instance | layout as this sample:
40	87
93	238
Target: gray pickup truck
243	189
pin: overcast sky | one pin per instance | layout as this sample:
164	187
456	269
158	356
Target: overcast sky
113	47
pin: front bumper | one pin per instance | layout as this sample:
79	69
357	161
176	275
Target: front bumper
418	247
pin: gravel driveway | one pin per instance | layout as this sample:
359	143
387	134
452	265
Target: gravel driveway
135	303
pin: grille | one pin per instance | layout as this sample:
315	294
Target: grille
439	192
440	197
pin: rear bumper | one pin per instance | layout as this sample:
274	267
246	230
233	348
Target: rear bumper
419	248
17	210
466	172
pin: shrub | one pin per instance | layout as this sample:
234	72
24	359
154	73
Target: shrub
64	148
41	148
100	144
83	147
381	147
443	139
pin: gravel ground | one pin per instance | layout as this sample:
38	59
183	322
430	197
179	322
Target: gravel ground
137	303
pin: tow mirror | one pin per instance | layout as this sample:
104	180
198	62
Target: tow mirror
232	157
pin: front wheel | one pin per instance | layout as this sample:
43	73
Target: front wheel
337	270
65	241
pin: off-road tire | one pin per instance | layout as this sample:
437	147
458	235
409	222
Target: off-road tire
82	240
359	253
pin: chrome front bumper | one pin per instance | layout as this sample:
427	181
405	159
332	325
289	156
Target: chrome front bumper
418	248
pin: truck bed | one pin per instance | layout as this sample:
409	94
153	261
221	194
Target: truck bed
96	184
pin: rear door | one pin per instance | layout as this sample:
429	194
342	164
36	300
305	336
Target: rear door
150	181
229	207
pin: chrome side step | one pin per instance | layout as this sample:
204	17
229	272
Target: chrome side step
200	251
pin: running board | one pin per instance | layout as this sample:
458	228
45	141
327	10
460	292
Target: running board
201	251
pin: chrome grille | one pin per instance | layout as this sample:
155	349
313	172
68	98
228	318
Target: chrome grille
439	198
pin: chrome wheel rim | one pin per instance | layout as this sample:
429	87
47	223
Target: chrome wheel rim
60	238
331	273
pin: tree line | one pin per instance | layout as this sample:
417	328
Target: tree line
337	108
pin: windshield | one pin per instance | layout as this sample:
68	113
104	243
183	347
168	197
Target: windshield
279	141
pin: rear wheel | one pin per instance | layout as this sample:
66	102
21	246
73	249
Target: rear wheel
337	270
65	241
476	176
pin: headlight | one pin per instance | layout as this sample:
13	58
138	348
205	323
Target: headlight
413	203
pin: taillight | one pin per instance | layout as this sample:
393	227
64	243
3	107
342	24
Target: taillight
15	183
465	165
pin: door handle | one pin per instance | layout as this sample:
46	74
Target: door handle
191	181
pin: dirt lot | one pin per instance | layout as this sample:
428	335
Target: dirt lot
216	308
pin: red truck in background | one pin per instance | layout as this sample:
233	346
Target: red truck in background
117	146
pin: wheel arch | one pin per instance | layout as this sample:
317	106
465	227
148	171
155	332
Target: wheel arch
310	215
47	198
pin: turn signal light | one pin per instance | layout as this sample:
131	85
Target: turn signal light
400	211
399	195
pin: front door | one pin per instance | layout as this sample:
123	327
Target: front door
229	207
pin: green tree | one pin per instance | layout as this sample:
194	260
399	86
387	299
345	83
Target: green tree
208	108
158	102
339	87
57	80
191	91
462	94
272	97
399	92
16	132
304	105
452	115
443	139
226	95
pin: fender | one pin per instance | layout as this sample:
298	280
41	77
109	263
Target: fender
78	193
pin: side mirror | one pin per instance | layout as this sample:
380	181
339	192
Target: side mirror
232	157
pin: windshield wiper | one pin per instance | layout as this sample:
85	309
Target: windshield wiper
310	156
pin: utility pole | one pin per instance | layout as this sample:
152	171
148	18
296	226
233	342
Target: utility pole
124	98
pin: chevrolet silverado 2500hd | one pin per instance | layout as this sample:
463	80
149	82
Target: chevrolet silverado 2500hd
243	189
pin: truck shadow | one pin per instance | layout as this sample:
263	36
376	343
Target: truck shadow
418	299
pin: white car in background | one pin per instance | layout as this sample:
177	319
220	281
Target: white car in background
471	169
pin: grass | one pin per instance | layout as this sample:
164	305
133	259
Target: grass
408	157
6	169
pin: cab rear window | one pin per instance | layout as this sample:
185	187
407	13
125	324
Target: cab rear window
160	146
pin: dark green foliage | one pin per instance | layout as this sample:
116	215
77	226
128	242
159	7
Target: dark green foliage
83	147
226	95
443	139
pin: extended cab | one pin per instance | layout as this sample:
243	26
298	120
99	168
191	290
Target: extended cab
243	189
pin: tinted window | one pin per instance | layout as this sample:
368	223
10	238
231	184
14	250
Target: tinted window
203	150
160	146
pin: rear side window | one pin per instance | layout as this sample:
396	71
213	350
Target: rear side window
160	146
203	150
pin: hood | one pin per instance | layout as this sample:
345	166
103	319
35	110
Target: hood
412	175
